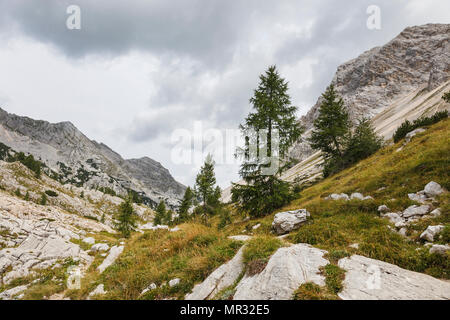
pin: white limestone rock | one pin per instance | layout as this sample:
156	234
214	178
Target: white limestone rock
369	279
439	249
99	290
416	211
285	222
114	253
287	269
221	278
240	237
357	195
433	189
174	282
383	209
431	232
100	247
89	240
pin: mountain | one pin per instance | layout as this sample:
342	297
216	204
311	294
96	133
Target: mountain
402	80
76	159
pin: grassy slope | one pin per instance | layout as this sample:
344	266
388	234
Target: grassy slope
193	253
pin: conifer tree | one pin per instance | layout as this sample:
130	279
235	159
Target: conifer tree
126	220
205	181
272	109
446	97
160	213
332	126
186	204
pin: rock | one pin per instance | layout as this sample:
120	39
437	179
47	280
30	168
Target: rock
431	232
403	231
417	197
174	282
240	238
436	212
433	189
99	247
221	278
413	133
287	269
400	224
416	211
152	286
393	217
367	198
10	293
175	229
357	195
287	221
383	208
99	290
114	253
369	279
439	249
256	226
335	196
89	240
354	246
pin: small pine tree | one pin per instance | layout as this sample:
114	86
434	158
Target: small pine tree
18	193
126	220
332	126
160	213
27	196
168	217
205	181
43	200
185	205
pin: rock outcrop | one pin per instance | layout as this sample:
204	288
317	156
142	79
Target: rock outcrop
369	279
286	270
221	278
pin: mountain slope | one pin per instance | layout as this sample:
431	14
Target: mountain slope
81	161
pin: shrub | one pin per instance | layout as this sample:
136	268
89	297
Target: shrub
43	200
261	248
51	193
407	126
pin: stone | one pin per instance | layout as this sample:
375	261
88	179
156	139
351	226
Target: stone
240	237
89	240
403	232
10	293
287	221
383	208
287	269
357	195
256	226
354	246
416	211
393	217
219	279
114	253
99	247
433	189
175	229
439	249
431	232
436	212
174	282
99	290
367	198
335	196
421	198
369	279
413	133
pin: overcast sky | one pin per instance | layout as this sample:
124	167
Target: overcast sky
138	70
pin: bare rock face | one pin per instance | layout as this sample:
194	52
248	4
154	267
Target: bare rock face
286	270
417	58
114	253
221	278
369	279
84	162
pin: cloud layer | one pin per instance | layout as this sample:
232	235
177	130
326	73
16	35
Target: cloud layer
137	70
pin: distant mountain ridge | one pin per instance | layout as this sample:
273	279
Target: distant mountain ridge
81	161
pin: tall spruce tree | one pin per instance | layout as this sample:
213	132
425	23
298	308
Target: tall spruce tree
332	126
272	109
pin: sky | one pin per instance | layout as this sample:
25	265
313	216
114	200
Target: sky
172	80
